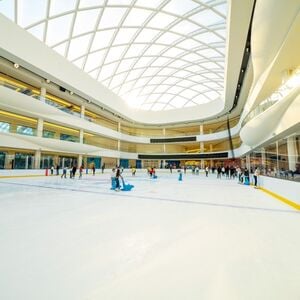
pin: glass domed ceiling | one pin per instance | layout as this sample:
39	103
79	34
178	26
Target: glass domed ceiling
155	54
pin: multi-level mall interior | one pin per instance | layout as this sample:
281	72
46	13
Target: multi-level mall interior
181	122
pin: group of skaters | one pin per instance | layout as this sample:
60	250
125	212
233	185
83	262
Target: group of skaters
243	174
72	171
229	172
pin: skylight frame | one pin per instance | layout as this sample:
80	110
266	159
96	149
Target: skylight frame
210	67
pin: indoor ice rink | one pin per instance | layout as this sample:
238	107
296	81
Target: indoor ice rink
180	120
199	238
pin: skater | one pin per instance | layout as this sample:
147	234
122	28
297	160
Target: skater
103	168
239	174
57	170
64	174
246	177
180	175
255	176
133	170
117	178
184	169
113	178
52	170
80	171
74	171
206	171
223	171
219	171
152	172
94	170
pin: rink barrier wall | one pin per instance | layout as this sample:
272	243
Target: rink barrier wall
282	199
283	190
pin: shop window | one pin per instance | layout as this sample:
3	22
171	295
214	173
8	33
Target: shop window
48	134
4	127
68	137
25	130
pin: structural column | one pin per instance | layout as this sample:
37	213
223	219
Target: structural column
79	160
119	144
263	160
37	159
164	135
39	133
292	153
277	159
82	111
43	94
81	136
201	147
248	165
211	150
40	127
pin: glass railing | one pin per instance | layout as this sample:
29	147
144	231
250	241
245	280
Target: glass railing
19	129
283	91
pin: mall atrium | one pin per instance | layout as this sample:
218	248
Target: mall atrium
189	85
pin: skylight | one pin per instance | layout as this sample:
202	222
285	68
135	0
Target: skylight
155	54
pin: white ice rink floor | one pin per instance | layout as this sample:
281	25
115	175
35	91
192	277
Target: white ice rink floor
203	238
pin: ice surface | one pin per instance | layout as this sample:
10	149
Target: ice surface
201	238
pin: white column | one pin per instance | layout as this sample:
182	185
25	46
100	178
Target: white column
211	150
8	159
79	160
292	153
277	160
37	159
164	134
119	143
263	160
201	146
248	166
82	111
43	94
201	129
81	136
26	162
40	126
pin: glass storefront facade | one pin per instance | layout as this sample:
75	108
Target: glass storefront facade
279	159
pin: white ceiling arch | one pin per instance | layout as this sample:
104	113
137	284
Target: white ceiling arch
156	55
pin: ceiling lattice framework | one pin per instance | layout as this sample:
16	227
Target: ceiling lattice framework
155	54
